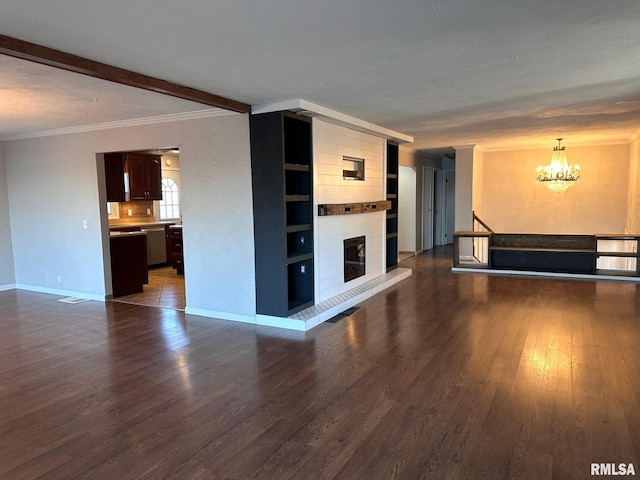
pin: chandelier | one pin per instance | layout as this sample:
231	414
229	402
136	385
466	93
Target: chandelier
558	176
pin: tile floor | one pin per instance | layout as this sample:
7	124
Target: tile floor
165	289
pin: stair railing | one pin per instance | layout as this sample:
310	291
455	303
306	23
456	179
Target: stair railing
474	250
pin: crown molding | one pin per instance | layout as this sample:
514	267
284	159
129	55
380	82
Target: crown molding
468	146
304	107
17	48
537	146
172	117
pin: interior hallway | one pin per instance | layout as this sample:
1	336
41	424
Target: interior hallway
442	376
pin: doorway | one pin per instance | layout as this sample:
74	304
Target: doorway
159	221
407	211
428	192
444	206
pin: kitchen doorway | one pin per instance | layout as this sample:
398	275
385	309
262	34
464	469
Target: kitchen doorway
155	215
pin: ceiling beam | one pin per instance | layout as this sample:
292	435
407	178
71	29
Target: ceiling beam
55	58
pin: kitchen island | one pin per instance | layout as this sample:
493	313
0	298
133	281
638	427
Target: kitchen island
129	271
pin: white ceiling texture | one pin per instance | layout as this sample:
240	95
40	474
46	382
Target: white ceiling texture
498	73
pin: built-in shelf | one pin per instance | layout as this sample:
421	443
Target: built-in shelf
298	228
297	167
297	198
353	168
281	165
617	273
391	233
618	254
297	305
299	258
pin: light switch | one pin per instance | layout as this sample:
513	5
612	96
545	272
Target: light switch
85	225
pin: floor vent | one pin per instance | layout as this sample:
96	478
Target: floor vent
348	312
73	300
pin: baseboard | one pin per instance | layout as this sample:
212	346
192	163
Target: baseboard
531	273
281	322
63	293
10	286
234	317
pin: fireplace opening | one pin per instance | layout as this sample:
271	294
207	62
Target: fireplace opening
354	258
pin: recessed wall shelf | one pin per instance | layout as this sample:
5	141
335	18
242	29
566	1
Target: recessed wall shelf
353	168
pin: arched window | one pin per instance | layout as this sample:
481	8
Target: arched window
170	203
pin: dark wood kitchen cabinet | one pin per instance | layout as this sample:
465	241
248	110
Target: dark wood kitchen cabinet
173	235
129	270
133	176
145	176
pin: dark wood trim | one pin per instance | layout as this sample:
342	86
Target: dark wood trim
352	208
66	61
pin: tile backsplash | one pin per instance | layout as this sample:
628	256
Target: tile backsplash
138	212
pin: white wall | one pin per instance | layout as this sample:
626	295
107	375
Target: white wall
513	201
407	183
7	272
330	143
478	182
464	188
53	186
632	223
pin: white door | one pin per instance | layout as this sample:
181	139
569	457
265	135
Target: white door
450	205
439	212
427	207
407	183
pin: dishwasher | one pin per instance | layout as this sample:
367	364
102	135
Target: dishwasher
156	246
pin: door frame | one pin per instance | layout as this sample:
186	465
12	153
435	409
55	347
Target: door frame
428	201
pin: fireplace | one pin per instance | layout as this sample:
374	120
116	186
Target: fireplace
354	258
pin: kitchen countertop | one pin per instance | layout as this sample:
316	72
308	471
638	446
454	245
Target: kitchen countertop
142	224
126	234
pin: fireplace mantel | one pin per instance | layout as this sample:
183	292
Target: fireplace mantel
352	208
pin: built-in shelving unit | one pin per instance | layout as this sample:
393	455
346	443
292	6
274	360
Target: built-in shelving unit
281	164
631	254
391	232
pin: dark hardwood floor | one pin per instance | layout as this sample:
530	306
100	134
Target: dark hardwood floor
442	376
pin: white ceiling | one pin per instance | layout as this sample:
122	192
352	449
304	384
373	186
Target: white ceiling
499	73
36	98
